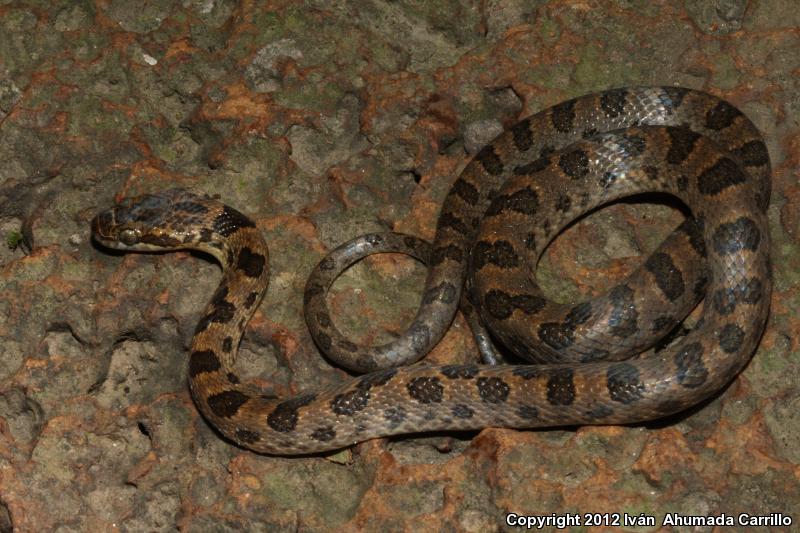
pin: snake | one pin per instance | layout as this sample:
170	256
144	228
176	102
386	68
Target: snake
513	198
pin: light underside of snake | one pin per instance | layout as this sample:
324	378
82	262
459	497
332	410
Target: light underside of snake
535	178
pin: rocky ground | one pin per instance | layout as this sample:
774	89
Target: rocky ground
324	120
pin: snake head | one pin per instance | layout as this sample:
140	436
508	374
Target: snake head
151	222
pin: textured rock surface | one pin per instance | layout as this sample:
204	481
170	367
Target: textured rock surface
324	120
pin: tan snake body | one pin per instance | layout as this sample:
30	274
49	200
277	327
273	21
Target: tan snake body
558	164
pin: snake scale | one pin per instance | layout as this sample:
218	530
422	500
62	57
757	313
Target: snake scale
534	178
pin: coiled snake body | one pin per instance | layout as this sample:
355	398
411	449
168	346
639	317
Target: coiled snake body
555	165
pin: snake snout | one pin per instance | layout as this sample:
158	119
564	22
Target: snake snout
100	221
103	228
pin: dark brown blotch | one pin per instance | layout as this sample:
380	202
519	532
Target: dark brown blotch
376	379
347	346
492	389
521	133
525	201
229	221
599	412
623	383
250	262
221	312
691	228
459	371
528	412
426	389
560	335
721	116
463	411
527	372
490	161
227	344
579	314
283	418
394	415
563	116
556	335
324	433
219	295
668	277
245	436
450	220
327	264
692	373
445	293
613	102
747	291
574	163
498	253
530	304
350	402
752	154
324	340
251	299
561	387
722	174
681	144
312	291
466	191
500	304
226	404
733	237
202	361
731	337
450	252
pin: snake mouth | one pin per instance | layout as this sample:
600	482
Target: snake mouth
105	231
99	222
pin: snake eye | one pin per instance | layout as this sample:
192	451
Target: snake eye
128	237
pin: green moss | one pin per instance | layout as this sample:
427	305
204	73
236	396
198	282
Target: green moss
387	57
89	116
13	239
555	286
549	30
299	94
726	74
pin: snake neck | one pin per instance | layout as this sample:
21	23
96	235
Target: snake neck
244	256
